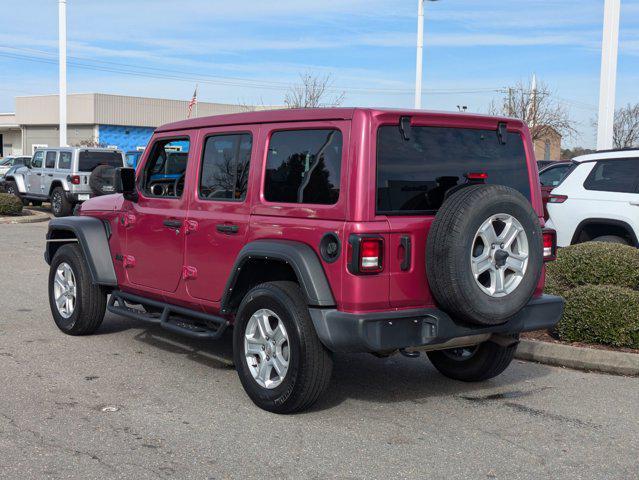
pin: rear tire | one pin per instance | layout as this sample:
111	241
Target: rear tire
487	360
60	205
81	311
306	363
610	239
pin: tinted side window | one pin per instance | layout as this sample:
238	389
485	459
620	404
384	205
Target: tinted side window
225	167
50	160
304	166
614	176
415	175
37	159
64	162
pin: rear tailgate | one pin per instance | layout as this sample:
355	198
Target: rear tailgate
413	177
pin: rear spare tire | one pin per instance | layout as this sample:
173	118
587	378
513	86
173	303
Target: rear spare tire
102	180
484	254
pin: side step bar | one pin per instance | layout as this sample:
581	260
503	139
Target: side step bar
173	318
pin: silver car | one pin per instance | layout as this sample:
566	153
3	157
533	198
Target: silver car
66	176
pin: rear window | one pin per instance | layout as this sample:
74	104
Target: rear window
88	160
414	175
614	176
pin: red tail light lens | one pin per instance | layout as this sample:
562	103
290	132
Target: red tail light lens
367	254
550	244
557	198
75	179
477	176
370	255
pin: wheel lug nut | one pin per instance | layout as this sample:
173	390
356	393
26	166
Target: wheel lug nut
263	347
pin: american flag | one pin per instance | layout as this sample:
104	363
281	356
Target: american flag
192	103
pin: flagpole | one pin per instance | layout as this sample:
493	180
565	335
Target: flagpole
196	100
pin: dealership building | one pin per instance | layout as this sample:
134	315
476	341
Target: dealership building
94	119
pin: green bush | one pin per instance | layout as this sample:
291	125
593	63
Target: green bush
593	263
604	314
10	204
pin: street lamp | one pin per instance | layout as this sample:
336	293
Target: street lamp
420	50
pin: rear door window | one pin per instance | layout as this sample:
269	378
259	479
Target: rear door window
413	176
49	161
88	160
620	176
225	167
304	166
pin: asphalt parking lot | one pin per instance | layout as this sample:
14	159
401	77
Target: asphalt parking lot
138	402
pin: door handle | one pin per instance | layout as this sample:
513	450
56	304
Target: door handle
223	228
38	174
50	174
636	204
172	223
404	241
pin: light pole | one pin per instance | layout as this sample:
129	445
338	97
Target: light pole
420	52
608	79
62	39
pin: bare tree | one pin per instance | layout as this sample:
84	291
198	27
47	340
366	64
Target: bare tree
312	92
537	108
626	127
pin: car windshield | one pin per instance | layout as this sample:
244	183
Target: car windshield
89	160
414	176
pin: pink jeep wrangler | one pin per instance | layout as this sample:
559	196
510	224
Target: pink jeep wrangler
319	231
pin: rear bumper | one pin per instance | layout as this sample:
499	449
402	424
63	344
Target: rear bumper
384	331
76	197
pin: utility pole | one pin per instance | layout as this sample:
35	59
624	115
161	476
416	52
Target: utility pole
62	35
420	53
608	79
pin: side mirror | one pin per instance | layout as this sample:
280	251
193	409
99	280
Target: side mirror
125	183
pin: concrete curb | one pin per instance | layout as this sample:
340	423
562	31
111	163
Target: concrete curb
36	216
618	363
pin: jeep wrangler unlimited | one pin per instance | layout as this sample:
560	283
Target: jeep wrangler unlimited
319	231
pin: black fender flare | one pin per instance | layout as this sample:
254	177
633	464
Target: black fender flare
605	221
93	237
302	259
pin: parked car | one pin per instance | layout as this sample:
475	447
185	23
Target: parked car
550	177
598	200
7	162
66	176
544	163
133	157
318	231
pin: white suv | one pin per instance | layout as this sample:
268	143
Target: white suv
598	200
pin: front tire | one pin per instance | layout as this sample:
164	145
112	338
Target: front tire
473	364
279	358
12	189
60	205
77	304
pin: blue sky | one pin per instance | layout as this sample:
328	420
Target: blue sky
249	51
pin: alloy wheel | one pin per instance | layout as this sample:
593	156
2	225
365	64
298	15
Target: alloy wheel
499	255
65	290
266	348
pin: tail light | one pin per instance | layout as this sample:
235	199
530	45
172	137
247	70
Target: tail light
550	244
74	179
476	176
367	254
557	198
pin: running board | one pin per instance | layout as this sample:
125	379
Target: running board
173	318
